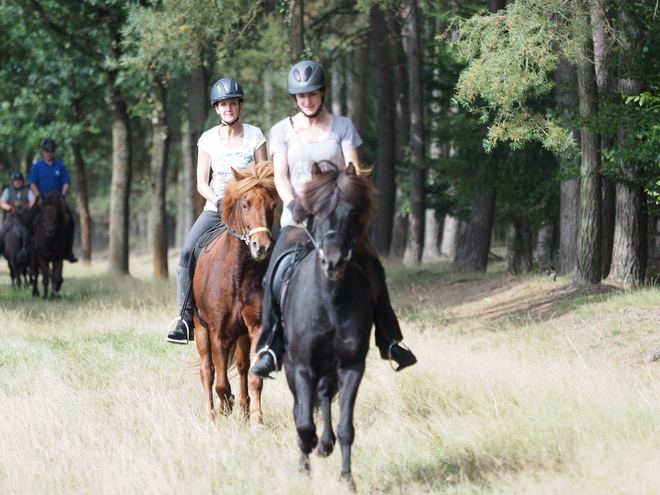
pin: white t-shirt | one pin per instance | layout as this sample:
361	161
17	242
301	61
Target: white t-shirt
223	159
300	154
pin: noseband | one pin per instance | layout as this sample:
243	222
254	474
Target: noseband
318	243
246	233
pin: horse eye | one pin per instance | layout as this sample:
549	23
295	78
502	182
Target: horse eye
244	206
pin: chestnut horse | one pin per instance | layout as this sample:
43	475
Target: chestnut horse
49	244
327	308
227	289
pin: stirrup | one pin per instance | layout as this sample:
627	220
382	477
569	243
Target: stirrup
389	352
176	320
260	353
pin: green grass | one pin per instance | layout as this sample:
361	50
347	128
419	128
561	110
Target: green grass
93	400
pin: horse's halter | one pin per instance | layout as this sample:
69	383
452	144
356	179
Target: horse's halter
246	232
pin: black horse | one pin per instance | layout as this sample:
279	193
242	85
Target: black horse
49	242
327	309
15	246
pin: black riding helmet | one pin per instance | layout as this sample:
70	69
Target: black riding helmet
225	89
16	175
48	145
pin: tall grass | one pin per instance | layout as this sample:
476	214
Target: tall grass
93	400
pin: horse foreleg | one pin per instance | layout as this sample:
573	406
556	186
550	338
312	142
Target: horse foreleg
57	275
206	370
222	385
349	382
243	365
45	275
303	413
327	389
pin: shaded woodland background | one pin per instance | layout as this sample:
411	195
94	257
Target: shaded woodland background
532	125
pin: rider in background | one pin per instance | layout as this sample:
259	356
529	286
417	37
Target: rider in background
220	149
18	193
311	136
50	175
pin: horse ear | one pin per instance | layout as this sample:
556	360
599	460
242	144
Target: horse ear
350	169
235	173
316	170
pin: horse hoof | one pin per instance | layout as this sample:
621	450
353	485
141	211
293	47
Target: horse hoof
324	450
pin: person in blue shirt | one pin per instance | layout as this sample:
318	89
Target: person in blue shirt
50	175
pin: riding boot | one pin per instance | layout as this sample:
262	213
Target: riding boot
270	348
70	257
183	332
388	331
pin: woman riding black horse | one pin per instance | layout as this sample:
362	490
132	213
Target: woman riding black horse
296	143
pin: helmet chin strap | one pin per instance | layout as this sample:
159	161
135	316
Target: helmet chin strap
315	114
224	123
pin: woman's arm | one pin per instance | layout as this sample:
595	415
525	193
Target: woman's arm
203	176
351	156
282	183
261	155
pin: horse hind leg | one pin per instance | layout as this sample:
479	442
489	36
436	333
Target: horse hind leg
222	385
327	389
242	366
206	369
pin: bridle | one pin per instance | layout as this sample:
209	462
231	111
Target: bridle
246	232
318	243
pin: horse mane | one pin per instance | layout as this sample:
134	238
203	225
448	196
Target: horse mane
336	183
255	175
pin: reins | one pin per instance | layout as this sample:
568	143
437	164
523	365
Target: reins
318	243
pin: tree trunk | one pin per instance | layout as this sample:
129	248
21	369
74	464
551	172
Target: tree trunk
198	110
400	221
159	156
412	255
626	267
433	237
83	205
385	163
357	86
569	190
519	249
599	21
296	30
450	231
588	263
474	255
121	179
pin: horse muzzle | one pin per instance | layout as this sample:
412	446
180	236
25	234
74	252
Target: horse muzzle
261	250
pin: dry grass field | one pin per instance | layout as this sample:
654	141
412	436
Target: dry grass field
523	386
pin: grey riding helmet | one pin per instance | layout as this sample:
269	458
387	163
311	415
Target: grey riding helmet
304	77
16	175
224	89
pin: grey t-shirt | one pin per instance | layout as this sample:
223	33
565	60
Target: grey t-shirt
283	138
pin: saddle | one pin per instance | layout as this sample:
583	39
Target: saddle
204	240
284	267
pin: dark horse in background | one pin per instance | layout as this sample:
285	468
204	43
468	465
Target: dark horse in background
327	308
15	246
227	289
49	243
